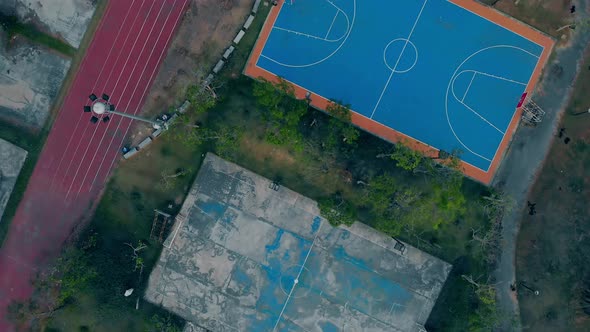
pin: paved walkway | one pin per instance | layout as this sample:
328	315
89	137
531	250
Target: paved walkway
529	149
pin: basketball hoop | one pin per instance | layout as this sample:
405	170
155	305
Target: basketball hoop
532	113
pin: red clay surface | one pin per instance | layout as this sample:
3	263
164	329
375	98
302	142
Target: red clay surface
391	135
122	61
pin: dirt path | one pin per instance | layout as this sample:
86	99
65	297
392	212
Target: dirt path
529	149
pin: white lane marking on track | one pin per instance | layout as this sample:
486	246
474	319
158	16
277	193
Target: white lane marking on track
144	91
93	87
112	98
125	88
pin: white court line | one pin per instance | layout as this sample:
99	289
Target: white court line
449	87
398	59
481	117
112	94
93	87
471	109
308	35
296	281
338	10
468	87
331	25
500	78
164	50
505	28
350	26
132	93
405	70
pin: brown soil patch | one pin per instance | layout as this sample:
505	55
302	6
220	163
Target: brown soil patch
553	249
263	151
545	15
206	30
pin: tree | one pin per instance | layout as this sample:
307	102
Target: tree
407	158
164	324
168	181
497	203
269	95
69	276
380	194
137	260
283	112
341	128
486	316
337	211
227	140
201	99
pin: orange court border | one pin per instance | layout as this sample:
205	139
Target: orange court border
391	135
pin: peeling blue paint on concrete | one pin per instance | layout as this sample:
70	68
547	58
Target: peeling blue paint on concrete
213	208
276	243
316	224
328	327
242	279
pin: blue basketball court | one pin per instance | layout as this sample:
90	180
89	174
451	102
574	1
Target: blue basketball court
428	69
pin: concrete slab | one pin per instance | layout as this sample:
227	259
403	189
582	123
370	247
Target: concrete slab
12	159
67	19
30	78
244	257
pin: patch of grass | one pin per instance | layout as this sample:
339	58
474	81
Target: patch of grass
125	215
14	27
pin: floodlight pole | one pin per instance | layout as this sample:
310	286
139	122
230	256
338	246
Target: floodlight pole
155	124
101	108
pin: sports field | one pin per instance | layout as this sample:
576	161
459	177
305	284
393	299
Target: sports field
247	254
438	75
122	60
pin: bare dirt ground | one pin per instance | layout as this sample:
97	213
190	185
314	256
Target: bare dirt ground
208	28
530	146
545	15
65	19
12	159
30	79
554	244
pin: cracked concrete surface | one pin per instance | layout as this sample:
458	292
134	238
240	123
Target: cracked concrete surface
12	159
245	257
67	19
30	79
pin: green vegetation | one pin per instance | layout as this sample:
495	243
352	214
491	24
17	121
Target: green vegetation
340	124
260	126
281	111
14	27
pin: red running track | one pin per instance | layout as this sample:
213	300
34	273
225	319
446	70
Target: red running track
65	187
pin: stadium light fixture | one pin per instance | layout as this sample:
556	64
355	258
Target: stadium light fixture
102	109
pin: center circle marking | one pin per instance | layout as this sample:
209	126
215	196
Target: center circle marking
393	51
290	278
